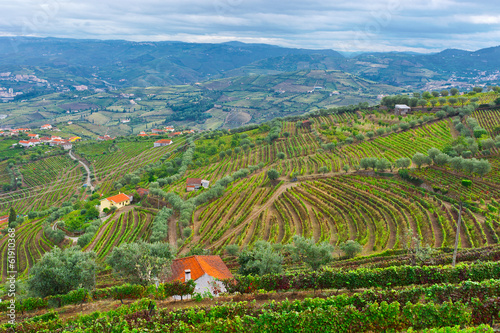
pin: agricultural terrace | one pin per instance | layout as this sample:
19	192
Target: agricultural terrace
109	161
377	212
50	182
126	226
31	244
489	120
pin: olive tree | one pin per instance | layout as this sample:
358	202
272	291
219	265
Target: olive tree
59	272
305	250
141	262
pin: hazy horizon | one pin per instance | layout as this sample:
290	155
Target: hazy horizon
364	26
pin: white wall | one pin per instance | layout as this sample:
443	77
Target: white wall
202	285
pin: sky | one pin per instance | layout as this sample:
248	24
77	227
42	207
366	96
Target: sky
345	26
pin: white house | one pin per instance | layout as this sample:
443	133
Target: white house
195	183
206	271
46	127
162	142
401	109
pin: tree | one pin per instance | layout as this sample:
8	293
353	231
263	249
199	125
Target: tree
434	102
360	137
323	169
351	248
58	272
435	93
488	143
422	102
272	174
462	100
141	262
482	167
477	89
12	216
306	251
403	162
286	134
452	100
444	93
261	260
370	134
456	163
232	250
433	152
441	114
420	159
382	165
442	101
345	168
441	159
92	213
281	155
380	131
454	91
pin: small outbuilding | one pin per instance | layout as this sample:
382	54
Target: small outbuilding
402	109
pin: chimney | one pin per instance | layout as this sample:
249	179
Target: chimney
187	273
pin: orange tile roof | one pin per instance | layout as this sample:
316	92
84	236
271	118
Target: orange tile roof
164	141
199	265
118	198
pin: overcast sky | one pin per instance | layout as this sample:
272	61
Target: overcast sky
355	25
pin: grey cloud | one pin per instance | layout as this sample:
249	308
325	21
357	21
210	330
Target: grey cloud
378	25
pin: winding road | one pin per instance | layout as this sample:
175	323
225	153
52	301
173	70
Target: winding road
89	184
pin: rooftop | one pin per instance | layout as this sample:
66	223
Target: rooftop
199	265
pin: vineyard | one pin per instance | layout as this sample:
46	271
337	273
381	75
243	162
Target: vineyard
376	212
125	227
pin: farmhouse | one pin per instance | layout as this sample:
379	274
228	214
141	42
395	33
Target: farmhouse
206	271
46	127
25	143
120	200
155	130
32	136
195	183
104	138
142	134
162	142
401	109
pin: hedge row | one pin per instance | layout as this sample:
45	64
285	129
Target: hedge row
126	291
330	278
310	315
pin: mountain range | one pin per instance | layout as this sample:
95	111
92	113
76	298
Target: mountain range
118	63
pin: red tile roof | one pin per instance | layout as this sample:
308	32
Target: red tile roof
199	265
118	198
193	181
164	141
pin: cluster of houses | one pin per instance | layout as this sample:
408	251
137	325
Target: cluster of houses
35	140
166	130
105	138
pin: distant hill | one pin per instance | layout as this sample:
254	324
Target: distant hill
119	63
124	63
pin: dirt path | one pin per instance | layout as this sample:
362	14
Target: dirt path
87	182
172	231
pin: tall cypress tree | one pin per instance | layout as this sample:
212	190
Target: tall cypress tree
12	215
